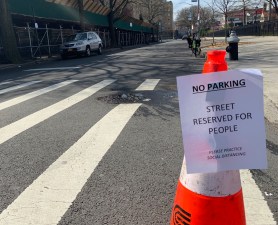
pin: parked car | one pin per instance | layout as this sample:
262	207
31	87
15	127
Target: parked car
81	44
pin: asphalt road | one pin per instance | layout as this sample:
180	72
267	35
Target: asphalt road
49	172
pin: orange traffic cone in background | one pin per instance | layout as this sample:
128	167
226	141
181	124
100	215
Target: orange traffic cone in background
215	61
209	198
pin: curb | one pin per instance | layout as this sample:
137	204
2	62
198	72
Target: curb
4	67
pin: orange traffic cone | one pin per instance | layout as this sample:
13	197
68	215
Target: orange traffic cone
209	198
215	62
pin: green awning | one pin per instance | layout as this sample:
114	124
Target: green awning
132	27
48	10
43	9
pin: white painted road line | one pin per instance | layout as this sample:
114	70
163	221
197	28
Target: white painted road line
7	82
256	208
148	85
18	87
27	122
55	68
33	94
47	199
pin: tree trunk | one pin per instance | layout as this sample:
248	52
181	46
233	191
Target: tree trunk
269	14
275	3
244	16
81	14
111	29
226	26
7	34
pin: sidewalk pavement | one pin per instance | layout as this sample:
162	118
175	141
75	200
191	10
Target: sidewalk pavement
259	53
6	66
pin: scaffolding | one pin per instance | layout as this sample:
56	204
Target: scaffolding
40	42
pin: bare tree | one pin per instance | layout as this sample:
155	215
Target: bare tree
151	10
117	11
224	7
213	16
7	34
206	18
274	5
183	17
189	16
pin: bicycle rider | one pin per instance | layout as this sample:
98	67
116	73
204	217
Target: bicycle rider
189	41
196	44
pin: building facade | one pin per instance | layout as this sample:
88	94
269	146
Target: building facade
167	17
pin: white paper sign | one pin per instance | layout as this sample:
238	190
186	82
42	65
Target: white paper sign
222	118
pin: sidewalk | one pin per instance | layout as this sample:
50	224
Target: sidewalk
258	53
219	42
4	66
57	57
47	59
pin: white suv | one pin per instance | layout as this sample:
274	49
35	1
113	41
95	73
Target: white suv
81	44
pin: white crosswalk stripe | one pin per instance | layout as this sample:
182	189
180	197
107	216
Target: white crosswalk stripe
33	94
44	201
18	86
80	158
25	123
6	82
148	85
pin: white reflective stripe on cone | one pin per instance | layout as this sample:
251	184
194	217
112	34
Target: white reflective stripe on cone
218	184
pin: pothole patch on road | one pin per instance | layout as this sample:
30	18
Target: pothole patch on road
124	98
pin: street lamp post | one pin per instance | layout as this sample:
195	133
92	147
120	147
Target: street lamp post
198	15
190	19
130	36
198	18
159	27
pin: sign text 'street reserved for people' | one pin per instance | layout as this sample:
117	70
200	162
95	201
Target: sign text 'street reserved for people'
222	118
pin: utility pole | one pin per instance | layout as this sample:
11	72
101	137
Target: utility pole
198	19
81	14
213	15
198	15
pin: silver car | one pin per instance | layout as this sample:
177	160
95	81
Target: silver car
81	44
